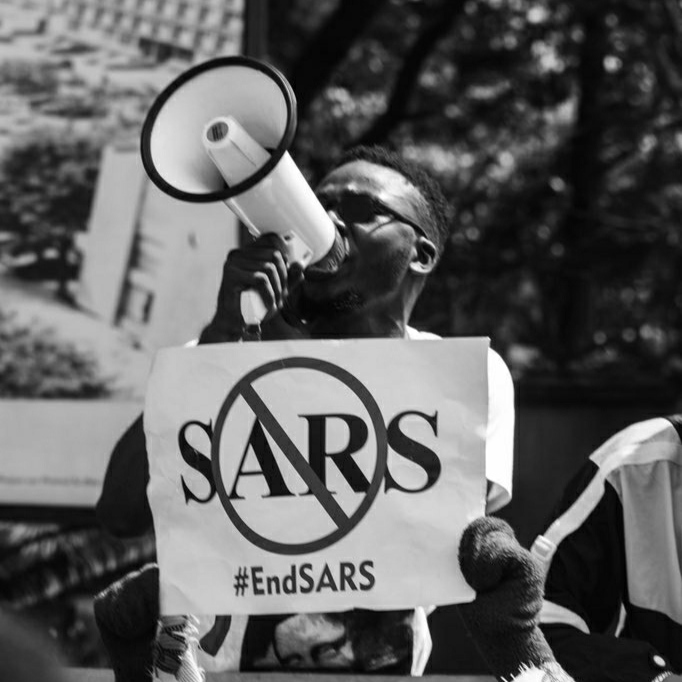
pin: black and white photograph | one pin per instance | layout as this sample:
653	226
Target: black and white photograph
179	173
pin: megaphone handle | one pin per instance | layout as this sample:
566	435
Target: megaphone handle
252	306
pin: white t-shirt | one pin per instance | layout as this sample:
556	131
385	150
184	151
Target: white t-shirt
499	447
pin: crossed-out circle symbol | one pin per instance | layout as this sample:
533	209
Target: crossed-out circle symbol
344	523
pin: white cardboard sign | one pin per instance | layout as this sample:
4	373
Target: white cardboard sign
312	476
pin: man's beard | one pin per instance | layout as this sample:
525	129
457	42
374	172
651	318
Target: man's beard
385	277
309	309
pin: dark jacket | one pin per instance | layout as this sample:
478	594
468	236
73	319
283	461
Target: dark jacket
613	595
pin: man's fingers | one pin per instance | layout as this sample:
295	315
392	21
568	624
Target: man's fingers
260	266
270	239
243	268
280	262
295	275
277	280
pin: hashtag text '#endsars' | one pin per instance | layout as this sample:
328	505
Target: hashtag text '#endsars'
305	579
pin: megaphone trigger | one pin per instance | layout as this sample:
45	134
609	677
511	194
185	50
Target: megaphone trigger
297	250
252	307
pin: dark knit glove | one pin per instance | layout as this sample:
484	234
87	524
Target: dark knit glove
509	584
127	614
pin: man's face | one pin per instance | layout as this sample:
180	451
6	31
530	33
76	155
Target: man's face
312	641
379	250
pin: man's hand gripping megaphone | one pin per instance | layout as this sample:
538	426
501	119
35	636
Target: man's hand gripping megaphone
255	285
287	242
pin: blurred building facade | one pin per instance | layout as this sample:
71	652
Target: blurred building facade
189	30
152	265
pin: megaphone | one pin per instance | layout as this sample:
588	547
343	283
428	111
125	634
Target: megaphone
220	132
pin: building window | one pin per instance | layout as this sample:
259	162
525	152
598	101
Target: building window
226	17
137	305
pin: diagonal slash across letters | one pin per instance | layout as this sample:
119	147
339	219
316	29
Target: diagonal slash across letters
291	452
344	523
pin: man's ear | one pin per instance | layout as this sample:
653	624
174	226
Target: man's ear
425	256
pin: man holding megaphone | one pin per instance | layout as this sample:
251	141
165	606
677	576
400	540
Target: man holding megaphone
388	230
391	244
392	222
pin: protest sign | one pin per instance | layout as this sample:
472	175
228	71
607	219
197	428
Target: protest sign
315	475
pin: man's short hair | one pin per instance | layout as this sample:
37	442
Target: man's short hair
439	229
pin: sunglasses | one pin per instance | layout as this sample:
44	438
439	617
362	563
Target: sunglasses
364	209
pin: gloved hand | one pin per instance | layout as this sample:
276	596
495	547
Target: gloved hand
127	615
509	584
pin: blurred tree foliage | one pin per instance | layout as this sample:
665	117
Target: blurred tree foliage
48	180
34	363
29	77
555	129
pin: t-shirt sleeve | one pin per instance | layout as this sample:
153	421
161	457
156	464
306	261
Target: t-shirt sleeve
499	451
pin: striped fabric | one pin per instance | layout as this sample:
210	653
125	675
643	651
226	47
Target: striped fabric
40	562
614	550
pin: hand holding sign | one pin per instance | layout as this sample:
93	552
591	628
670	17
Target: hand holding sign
501	620
127	615
509	582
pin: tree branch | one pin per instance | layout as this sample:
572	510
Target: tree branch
568	304
620	162
328	47
667	70
675	15
434	29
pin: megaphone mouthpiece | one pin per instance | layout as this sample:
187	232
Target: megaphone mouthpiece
217	131
234	152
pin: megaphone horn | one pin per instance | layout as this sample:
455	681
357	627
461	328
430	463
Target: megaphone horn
221	132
